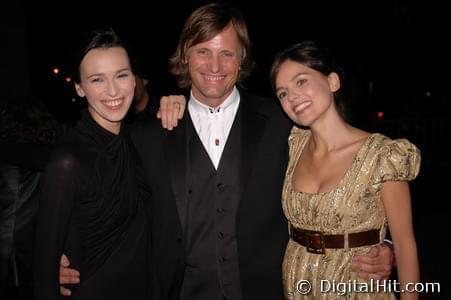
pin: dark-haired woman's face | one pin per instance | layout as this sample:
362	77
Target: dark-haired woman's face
304	93
107	82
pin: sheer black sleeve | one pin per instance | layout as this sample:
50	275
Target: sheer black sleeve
59	189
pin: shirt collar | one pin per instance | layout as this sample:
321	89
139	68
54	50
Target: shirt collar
199	107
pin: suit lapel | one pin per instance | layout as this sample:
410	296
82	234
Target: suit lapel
177	143
177	155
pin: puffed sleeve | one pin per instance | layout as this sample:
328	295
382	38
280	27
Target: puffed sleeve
297	137
398	160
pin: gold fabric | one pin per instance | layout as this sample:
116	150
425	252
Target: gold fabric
354	205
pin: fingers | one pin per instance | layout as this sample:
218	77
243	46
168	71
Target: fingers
162	112
174	114
64	261
385	251
67	275
374	252
373	257
171	110
67	272
377	264
365	271
69	280
64	291
182	102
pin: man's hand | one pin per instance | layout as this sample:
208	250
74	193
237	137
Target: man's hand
67	275
377	264
171	110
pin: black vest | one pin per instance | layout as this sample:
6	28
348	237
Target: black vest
212	270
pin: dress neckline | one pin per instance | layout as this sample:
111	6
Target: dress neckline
340	183
101	135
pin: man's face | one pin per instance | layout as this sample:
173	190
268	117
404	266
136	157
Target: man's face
214	66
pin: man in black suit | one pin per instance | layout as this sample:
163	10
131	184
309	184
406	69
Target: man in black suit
217	178
218	227
224	214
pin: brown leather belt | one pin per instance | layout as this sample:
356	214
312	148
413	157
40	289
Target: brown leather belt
317	242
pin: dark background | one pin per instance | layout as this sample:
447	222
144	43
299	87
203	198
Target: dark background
395	55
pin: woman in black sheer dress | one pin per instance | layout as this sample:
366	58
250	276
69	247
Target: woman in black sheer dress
93	193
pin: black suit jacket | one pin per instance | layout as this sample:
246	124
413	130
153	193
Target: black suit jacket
262	231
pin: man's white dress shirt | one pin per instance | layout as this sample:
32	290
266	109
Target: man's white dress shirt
213	124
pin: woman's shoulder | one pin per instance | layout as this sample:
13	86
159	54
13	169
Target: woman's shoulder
145	127
65	155
72	154
299	133
385	144
394	159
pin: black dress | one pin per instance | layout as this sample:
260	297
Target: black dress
92	208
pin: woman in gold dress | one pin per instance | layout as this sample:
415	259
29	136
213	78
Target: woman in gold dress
342	186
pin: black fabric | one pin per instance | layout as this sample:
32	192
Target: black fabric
226	198
18	207
148	112
20	170
92	209
213	196
261	228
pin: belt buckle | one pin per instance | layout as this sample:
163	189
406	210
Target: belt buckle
310	244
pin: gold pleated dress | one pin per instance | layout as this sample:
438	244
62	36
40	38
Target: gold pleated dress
354	205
